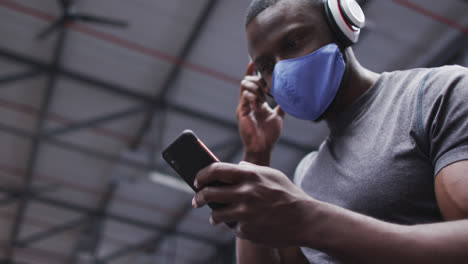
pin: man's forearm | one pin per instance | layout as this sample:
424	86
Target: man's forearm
249	253
355	238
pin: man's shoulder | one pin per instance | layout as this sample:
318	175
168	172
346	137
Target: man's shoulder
447	77
303	167
441	69
450	71
444	83
437	74
432	82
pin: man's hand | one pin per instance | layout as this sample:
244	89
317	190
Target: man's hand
269	208
259	125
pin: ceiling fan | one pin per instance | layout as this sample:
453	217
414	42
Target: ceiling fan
70	15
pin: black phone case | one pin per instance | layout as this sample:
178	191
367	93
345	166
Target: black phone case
187	155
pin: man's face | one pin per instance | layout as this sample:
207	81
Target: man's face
287	30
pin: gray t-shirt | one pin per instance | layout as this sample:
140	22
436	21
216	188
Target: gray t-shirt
384	151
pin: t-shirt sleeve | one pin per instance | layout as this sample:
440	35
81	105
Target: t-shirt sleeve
445	115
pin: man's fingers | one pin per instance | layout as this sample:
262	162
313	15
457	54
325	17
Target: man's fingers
254	78
216	194
219	172
259	80
244	108
254	88
230	213
253	99
247	102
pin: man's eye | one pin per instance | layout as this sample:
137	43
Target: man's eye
292	44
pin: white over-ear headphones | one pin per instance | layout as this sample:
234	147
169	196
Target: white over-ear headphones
346	20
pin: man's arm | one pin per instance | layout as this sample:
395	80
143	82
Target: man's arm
250	253
451	188
355	238
259	127
247	252
258	194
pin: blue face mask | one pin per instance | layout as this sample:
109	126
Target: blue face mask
304	87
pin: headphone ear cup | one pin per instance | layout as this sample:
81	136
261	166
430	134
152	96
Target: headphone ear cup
353	13
344	29
342	40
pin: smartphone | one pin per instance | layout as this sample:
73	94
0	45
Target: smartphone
187	155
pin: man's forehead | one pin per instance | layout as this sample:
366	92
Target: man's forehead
278	17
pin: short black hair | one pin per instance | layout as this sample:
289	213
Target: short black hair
258	6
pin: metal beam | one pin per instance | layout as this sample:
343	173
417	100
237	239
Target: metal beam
5	261
141	97
174	224
153	242
91	238
78	77
157	146
19	76
102	211
32	160
161	97
8	200
195	33
127	250
25	242
95	121
175	70
76	148
65	205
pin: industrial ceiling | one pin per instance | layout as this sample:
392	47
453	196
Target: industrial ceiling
92	90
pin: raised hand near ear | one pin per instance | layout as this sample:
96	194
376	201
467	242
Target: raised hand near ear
259	125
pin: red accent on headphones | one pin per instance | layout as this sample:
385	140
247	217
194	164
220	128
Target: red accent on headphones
344	17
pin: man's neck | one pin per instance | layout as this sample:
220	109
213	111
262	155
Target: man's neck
356	83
